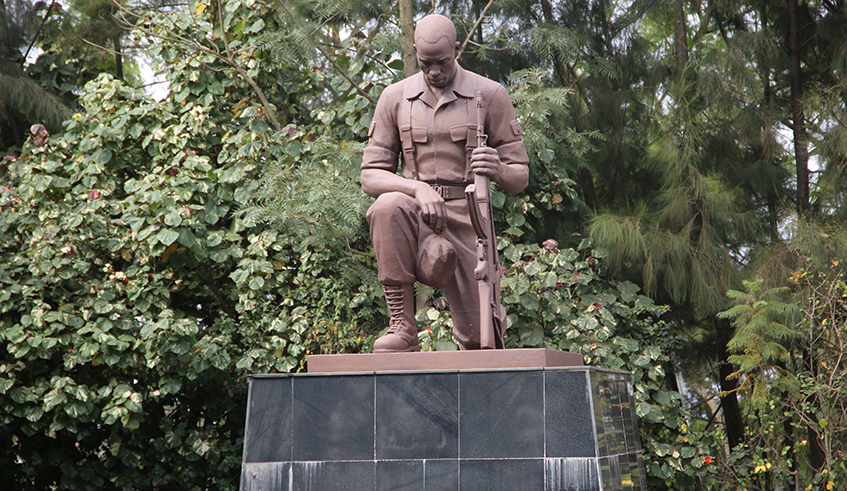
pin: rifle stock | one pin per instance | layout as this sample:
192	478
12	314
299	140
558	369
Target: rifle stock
492	315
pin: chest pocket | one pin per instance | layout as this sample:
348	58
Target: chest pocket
459	132
409	135
419	135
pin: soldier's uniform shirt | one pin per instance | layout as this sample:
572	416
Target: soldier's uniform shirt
440	129
439	135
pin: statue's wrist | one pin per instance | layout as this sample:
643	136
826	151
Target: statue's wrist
419	187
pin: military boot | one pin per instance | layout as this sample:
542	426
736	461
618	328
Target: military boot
402	333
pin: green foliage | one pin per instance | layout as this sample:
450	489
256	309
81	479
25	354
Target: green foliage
133	301
557	151
21	95
152	254
560	299
760	344
789	358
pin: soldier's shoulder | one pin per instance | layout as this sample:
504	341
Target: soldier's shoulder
397	89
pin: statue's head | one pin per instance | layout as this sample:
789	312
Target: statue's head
436	49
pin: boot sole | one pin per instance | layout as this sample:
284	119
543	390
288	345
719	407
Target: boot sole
407	350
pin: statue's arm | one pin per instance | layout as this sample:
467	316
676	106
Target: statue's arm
512	178
378	181
379	165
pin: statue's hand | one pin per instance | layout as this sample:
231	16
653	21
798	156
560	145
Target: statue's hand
486	161
432	207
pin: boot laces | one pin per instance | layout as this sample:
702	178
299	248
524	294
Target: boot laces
394	299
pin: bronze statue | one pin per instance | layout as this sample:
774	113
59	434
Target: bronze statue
420	224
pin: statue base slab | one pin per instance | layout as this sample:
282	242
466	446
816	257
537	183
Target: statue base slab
443	360
507	428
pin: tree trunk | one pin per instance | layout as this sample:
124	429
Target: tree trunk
119	63
733	419
788	439
589	192
478	12
680	37
407	35
801	157
817	455
798	123
558	66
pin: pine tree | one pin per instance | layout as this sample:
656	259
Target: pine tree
22	100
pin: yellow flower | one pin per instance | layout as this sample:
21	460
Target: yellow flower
830	485
808	488
760	468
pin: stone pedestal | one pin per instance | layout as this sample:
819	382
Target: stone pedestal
515	428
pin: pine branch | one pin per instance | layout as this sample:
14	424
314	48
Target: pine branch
476	24
24	96
326	55
40	26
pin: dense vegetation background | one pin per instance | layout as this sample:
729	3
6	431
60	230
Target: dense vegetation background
684	221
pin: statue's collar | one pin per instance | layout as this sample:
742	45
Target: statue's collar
461	87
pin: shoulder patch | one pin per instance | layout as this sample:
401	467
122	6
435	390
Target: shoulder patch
516	127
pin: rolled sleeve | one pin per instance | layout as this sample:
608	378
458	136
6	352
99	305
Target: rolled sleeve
379	158
383	146
504	131
513	153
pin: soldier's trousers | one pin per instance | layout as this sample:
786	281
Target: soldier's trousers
397	230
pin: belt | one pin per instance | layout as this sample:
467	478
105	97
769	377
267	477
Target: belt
450	191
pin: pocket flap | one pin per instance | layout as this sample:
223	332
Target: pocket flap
419	135
459	132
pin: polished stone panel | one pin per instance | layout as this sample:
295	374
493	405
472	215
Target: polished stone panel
608	413
441	475
501	475
268	426
333	418
573	474
543	429
315	476
569	426
265	476
502	414
418	417
399	475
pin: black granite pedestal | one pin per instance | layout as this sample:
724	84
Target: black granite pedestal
551	429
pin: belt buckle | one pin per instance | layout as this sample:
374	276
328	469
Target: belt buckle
441	190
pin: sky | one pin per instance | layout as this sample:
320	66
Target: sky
156	87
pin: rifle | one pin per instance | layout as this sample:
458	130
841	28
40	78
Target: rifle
492	315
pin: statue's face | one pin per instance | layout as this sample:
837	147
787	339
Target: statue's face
437	61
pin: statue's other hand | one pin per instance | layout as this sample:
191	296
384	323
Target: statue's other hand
432	207
486	161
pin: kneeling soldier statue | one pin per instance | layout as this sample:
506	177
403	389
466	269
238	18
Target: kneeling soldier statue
455	131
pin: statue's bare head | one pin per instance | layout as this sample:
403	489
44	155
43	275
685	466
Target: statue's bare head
433	27
436	49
